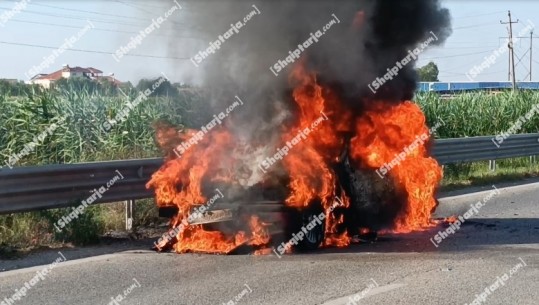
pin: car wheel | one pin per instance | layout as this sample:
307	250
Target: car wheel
314	237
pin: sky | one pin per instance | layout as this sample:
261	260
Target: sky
477	33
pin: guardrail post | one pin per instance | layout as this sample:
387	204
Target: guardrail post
492	165
129	206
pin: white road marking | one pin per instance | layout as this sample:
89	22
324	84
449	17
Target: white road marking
344	300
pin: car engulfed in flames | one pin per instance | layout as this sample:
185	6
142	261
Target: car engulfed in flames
332	170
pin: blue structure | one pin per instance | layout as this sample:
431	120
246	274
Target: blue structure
449	87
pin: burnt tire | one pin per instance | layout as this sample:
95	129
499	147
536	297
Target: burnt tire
314	237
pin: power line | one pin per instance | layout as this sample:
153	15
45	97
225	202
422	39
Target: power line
84	11
144	5
530	50
460	48
458	55
479	15
95	28
463	42
455	73
75	17
100	20
494	72
133	6
472	26
150	12
482	73
90	51
108	21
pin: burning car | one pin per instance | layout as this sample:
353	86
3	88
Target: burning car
316	142
288	196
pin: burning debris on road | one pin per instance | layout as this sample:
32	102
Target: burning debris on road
337	160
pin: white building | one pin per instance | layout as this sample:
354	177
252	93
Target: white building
45	80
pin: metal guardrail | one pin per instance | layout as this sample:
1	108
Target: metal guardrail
448	151
53	186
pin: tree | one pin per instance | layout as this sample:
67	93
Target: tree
126	86
164	89
101	86
428	73
77	84
17	88
107	87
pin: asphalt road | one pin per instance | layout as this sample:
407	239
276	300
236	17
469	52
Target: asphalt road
498	248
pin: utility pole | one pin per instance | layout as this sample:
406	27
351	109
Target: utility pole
531	54
530	50
511	49
508	65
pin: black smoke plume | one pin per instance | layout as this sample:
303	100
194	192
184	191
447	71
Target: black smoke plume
371	38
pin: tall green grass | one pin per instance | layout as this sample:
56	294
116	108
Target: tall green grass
482	114
479	114
81	137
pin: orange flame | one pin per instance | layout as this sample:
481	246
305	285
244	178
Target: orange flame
260	234
395	135
196	239
308	163
316	141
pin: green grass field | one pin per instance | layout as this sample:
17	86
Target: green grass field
482	114
479	114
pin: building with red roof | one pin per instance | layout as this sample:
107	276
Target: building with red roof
46	80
